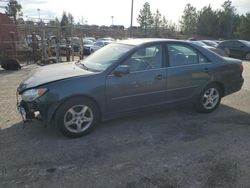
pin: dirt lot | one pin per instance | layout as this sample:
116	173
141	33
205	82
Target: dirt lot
168	149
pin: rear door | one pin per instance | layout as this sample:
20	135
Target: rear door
143	86
187	72
237	49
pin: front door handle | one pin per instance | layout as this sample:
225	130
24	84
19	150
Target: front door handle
159	77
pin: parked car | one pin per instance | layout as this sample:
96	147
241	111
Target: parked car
89	38
236	48
63	49
210	43
98	45
127	77
214	49
76	44
106	39
86	46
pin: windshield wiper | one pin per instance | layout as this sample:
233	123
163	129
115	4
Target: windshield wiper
81	65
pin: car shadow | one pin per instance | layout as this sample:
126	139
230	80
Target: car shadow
35	154
182	118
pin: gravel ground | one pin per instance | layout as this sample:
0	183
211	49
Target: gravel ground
167	149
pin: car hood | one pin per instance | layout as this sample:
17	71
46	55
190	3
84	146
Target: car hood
51	73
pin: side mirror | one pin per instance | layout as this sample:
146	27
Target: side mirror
121	70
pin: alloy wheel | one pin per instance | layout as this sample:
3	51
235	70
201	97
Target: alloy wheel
210	98
78	118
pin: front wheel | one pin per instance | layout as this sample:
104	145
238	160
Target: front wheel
209	98
77	117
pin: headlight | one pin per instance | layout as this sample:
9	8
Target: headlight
31	94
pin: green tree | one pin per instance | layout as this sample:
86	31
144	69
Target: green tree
157	22
71	19
157	19
243	30
145	18
57	21
65	25
227	20
207	22
13	9
189	19
164	23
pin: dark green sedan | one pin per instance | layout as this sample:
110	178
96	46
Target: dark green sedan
127	77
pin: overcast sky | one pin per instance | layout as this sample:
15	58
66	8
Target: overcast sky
100	11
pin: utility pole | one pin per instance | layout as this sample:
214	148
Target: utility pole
44	50
112	20
131	22
38	10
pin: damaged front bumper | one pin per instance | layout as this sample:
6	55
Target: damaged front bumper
28	111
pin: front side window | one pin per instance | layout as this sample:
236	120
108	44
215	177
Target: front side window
145	58
184	55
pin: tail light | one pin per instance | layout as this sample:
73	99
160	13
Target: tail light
241	68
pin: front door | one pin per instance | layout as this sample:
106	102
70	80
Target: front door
143	86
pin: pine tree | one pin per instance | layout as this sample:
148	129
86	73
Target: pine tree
65	25
145	18
189	19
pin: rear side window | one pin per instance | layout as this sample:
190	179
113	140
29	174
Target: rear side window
236	44
180	55
222	44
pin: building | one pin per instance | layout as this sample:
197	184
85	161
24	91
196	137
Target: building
8	35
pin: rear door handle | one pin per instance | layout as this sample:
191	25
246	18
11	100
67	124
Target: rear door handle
206	70
159	77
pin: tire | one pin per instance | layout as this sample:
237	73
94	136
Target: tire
248	56
209	99
77	117
227	51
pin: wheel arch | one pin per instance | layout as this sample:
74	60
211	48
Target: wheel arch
52	116
220	84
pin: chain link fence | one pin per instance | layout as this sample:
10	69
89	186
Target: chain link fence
37	41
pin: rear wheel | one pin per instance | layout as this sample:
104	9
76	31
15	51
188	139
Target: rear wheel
77	117
209	98
248	56
227	52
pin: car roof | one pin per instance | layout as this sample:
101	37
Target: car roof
233	40
141	41
242	41
137	42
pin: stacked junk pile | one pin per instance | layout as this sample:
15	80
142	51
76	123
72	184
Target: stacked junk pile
35	42
8	38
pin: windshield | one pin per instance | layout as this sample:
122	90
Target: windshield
106	56
87	42
247	43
